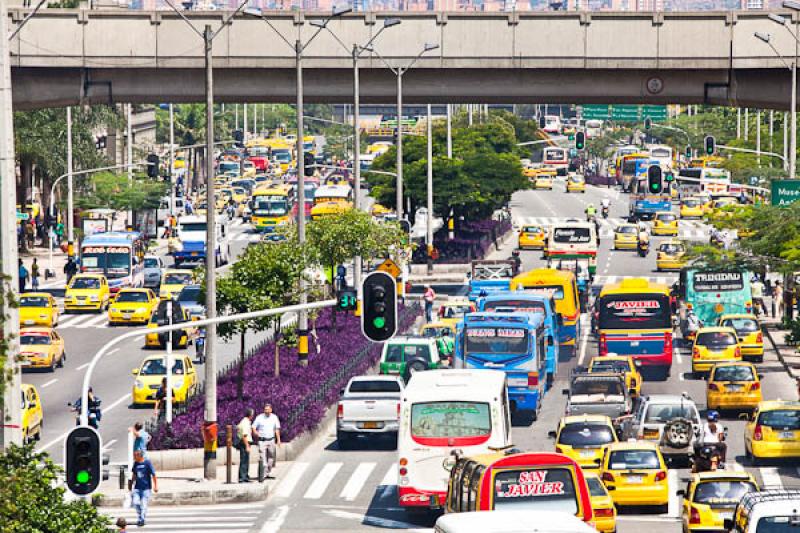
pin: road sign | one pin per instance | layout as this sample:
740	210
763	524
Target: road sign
785	192
624	113
390	267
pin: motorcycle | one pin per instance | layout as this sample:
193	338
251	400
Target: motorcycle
705	458
605	212
643	248
94	414
590	217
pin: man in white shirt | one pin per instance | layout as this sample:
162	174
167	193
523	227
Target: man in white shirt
267	432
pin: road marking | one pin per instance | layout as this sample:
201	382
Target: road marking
584	343
677	352
96	321
113	405
49	383
68	322
736	467
322	481
287	485
390	478
673	507
357	481
84	365
375	521
770	478
107	445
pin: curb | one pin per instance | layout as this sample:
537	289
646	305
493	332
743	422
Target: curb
228	494
786	365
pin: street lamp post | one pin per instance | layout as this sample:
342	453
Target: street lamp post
70	207
171	160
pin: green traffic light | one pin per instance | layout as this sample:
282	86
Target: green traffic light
379	322
82	476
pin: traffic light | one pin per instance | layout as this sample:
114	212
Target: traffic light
346	299
541	122
238	136
654	179
308	161
710	144
648	123
152	165
83	457
580	140
669	177
689	152
379	313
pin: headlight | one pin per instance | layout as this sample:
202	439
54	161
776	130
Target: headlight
139	384
94	297
141	310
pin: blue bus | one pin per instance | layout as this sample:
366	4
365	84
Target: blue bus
512	342
117	255
524	302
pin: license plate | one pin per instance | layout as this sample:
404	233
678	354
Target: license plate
634	478
126	316
734	388
517	382
726	516
370	425
788	435
194	254
587	453
29	322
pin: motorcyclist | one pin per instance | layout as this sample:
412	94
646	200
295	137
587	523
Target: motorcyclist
93	410
643	240
713	434
517	261
200	345
693	323
591	212
605	205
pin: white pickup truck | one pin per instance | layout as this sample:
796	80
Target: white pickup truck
369	405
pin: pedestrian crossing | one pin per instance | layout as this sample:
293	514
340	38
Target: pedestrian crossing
687	229
366	478
83	321
234	518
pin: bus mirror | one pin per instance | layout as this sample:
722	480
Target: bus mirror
550	340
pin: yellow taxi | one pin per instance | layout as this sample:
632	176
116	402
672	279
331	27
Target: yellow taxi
173	281
584	438
41	348
635	474
773	431
154	369
691	208
32	414
665	223
714	345
180	338
544	179
531	238
38	309
705	202
132	306
87	292
620	364
711	497
626	237
576	183
605	514
733	386
670	256
453	310
748	329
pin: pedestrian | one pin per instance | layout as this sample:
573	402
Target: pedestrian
161	399
59	233
757	289
34	275
122	525
777	300
23	276
142	484
429	296
141	438
797	381
267	431
70	269
244	434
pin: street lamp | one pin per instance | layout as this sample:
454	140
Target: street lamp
399	71
299	47
767	38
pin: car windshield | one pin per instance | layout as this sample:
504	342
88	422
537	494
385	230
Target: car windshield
177	279
666	217
436	332
158	367
193	226
596	487
716	340
455	310
189	294
741	325
550	489
778	524
786	419
85	283
733	373
634	459
532	229
375	386
399	353
614	365
669	248
150	262
607	387
691	203
30	340
717	492
132	296
34	301
665	412
586	435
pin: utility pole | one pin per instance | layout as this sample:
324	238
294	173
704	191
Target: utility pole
399	148
10	410
429	232
449	132
758	137
356	159
302	318
746	123
70	199
771	127
171	160
244	119
738	122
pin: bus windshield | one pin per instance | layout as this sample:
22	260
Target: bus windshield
550	489
270	207
114	261
635	311
497	340
450	420
193	226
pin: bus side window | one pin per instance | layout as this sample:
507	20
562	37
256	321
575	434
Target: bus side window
541	349
474	487
507	412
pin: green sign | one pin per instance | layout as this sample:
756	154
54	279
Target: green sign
785	192
624	113
22	216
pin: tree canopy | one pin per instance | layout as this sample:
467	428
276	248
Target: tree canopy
115	191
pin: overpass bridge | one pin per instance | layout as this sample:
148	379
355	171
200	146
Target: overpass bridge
92	56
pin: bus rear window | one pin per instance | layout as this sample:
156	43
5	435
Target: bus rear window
550	489
572	235
521	306
631	311
497	340
454	423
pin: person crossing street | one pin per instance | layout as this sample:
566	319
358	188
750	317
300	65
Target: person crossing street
142	484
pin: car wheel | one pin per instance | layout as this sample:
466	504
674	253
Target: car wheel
52	367
61	361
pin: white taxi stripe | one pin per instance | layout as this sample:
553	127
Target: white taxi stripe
357	481
321	482
290	481
96	321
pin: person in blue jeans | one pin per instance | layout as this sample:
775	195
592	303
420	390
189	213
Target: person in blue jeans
142	484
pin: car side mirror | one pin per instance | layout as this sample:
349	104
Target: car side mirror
598	461
135	371
552	434
744	416
760	376
610	488
680	492
565	392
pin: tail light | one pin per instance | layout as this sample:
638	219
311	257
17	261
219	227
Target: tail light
757	433
403	471
694	516
748	307
755	386
603	350
604	513
668	343
661	475
607	476
559	449
689	307
340	411
760	337
737	352
713	386
533	379
695	352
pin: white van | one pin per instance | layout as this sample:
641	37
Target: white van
511	522
768	511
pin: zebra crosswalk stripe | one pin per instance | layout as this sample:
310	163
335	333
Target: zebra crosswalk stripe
321	482
357	481
95	321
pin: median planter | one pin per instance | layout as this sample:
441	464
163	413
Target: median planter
299	396
473	240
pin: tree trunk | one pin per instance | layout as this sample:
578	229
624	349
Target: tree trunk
276	338
240	377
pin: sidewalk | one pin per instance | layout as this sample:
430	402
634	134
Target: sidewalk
789	356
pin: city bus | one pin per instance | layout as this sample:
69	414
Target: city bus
442	411
530	481
271	207
515	343
556	158
525	302
619	153
635	319
562	286
331	199
118	255
644	204
594	128
633	165
573	240
552	124
713	293
663	154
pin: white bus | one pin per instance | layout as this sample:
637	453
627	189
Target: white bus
557	158
662	153
552	124
573	239
594	128
442	411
